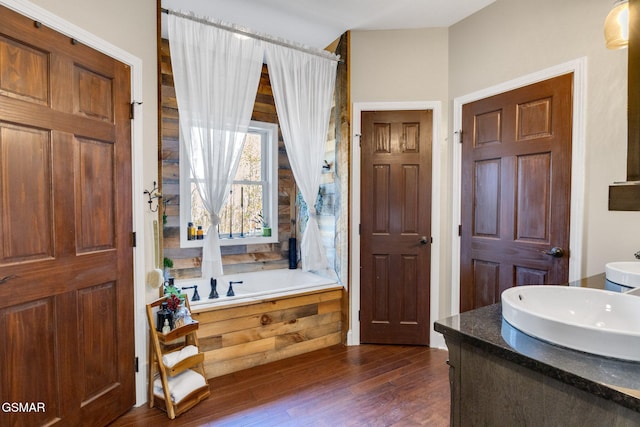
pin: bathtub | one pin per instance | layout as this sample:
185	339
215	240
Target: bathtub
255	286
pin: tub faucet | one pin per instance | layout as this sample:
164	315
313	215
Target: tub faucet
214	291
637	255
195	296
230	292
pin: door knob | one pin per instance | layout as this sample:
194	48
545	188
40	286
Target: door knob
423	240
555	252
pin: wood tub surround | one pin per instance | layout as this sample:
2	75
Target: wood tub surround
240	336
500	376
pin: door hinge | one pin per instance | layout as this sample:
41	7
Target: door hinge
459	136
460	230
358	315
359	228
132	109
133	239
136	364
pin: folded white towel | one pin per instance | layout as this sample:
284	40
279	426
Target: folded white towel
180	386
170	359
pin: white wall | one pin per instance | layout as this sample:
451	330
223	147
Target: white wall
507	40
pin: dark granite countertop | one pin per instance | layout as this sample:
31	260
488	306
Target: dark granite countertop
611	379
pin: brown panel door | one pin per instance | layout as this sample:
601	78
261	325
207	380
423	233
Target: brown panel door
66	259
396	227
516	181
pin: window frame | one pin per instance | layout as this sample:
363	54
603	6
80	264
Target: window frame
270	168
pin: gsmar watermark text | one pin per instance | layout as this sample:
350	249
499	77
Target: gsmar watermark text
23	407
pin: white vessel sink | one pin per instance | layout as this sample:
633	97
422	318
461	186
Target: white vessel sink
625	273
590	320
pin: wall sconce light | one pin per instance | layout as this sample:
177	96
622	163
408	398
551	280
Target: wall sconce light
616	26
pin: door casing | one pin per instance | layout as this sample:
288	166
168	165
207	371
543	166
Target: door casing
58	24
353	335
578	67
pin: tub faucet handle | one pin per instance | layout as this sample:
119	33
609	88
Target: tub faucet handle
637	255
230	292
196	296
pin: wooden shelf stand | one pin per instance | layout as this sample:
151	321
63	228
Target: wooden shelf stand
162	344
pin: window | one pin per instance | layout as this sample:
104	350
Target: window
252	205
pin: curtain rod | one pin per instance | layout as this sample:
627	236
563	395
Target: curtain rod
318	52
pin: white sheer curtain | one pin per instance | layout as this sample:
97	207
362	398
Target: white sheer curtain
303	87
216	75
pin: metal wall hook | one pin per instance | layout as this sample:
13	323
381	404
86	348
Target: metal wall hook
154	194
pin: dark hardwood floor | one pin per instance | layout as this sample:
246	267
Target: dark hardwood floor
366	385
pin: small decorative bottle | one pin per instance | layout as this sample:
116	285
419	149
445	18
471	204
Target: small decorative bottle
166	328
200	233
180	314
191	231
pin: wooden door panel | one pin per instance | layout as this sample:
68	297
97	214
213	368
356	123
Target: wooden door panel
98	339
488	128
410	200
396	214
381	289
66	218
487	198
486	276
92	94
533	119
95	200
381	199
533	194
530	276
35	381
25	72
516	167
25	196
409	280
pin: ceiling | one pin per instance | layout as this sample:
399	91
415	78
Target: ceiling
318	23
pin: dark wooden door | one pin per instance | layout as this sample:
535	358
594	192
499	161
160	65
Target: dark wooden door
66	257
396	227
516	182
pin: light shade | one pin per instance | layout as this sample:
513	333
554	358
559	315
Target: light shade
616	26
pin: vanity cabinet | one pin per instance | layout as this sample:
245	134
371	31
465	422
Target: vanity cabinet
501	377
488	390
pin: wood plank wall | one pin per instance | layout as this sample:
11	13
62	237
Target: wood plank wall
333	214
236	259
